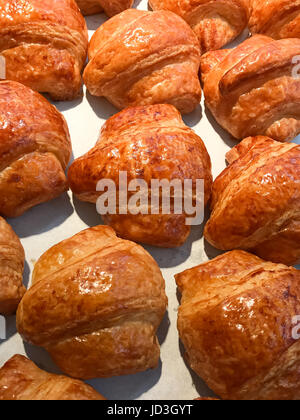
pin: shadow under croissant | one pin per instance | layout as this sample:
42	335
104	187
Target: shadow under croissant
198	383
297	140
87	212
10	321
43	217
211	251
178	256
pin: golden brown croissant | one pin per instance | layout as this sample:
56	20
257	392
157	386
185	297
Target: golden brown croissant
237	323
110	7
95	305
148	143
34	151
44	43
145	58
256	201
275	18
12	260
22	380
215	22
251	90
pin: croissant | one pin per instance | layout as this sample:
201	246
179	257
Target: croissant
275	18
237	323
22	380
12	259
147	143
34	151
252	89
256	201
216	23
110	7
44	44
95	305
144	58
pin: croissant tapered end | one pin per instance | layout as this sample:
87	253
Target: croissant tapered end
34	151
278	19
110	7
251	349
164	148
254	89
44	45
145	58
216	23
256	200
22	380
96	304
12	259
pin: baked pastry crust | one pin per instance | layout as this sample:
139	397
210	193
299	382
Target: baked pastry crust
215	22
147	143
34	151
44	43
110	7
22	380
12	259
251	90
278	19
236	321
144	58
95	304
256	201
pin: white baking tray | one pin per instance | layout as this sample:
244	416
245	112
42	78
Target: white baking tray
47	224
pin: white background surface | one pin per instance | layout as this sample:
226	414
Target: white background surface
47	224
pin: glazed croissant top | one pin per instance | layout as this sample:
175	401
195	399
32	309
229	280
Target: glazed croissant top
275	18
144	58
251	90
110	7
22	380
216	23
237	323
35	149
256	201
148	143
95	304
12	260
44	43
